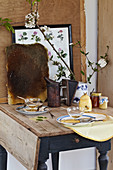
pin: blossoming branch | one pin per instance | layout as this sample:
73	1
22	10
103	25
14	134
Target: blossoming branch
95	67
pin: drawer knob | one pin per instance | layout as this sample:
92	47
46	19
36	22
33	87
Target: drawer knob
77	140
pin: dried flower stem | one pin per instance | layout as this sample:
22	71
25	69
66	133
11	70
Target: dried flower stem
31	7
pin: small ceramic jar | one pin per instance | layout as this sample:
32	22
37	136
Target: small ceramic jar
95	99
103	102
85	102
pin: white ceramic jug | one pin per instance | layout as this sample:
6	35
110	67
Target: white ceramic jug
81	90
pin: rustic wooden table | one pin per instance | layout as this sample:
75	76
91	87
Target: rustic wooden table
31	142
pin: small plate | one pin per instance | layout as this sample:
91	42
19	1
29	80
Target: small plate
67	120
26	110
86	118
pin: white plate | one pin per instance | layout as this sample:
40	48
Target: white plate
97	116
89	116
24	110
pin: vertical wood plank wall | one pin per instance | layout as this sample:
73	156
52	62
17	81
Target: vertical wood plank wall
65	12
83	39
51	12
105	37
16	11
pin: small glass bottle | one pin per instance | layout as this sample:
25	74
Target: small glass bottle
95	99
103	102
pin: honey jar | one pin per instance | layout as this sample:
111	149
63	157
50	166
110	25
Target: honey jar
95	99
85	102
103	102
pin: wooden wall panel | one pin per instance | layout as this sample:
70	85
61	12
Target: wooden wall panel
105	37
64	12
51	12
16	11
83	38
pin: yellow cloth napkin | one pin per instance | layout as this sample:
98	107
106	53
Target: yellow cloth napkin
97	131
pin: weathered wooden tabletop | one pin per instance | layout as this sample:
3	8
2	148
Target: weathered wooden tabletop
49	127
21	136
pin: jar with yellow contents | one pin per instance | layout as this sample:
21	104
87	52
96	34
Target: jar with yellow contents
103	102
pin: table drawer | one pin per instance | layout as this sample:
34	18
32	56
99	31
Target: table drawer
67	142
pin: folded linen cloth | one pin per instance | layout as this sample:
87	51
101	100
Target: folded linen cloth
97	130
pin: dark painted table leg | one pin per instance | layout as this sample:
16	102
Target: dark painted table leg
103	160
42	166
55	160
3	158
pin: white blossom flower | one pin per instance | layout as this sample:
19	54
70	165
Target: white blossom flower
70	43
102	62
67	73
30	19
45	28
55	77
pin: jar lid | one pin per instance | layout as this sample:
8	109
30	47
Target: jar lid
103	97
96	94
